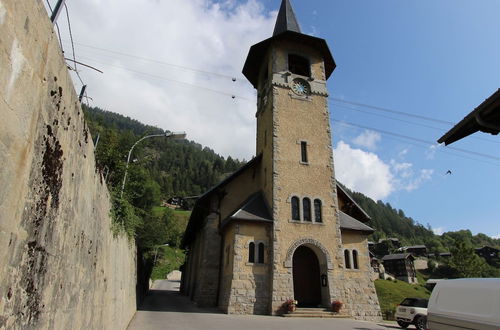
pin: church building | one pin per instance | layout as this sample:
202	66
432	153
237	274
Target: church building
281	227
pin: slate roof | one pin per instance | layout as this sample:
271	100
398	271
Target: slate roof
200	208
484	118
286	20
255	208
397	256
416	247
349	223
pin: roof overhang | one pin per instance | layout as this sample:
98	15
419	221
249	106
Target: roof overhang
258	52
349	223
485	118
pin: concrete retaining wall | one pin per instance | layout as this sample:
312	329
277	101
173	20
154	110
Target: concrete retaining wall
61	266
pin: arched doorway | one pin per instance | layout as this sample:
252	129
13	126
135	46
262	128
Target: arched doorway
306	277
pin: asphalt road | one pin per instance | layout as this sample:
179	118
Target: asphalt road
165	308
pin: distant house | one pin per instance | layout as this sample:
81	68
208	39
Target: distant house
416	250
485	118
401	266
445	254
395	241
371	246
489	253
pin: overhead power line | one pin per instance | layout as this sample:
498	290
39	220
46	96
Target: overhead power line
234	96
337	106
392	111
233	78
418	140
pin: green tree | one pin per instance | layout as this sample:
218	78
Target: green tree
465	262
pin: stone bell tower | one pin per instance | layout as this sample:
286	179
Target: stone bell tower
289	71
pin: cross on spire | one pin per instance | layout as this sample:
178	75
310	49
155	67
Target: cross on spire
286	20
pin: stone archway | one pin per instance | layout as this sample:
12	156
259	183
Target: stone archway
306	277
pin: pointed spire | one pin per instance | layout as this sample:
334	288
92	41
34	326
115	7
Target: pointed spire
286	20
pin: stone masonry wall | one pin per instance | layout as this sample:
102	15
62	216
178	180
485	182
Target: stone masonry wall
61	266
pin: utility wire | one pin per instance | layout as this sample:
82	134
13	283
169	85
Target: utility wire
418	140
57	28
392	111
159	62
425	146
72	44
407	121
234	96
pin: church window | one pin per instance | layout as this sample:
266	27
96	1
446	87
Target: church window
260	253
295	208
299	65
303	151
306	206
347	259
355	259
317	211
251	252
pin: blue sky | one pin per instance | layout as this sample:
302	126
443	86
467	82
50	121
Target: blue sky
435	59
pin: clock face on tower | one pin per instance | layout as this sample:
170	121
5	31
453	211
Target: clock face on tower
301	87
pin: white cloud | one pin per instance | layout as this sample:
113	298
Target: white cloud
365	172
496	236
438	230
362	171
367	139
207	35
431	152
402	153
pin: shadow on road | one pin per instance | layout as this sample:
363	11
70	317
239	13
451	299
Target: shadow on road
166	297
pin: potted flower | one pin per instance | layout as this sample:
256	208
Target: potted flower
290	305
336	306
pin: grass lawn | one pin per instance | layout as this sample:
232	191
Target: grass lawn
169	259
390	293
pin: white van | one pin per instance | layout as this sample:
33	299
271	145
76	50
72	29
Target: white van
469	303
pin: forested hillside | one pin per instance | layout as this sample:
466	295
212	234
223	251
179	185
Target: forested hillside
167	167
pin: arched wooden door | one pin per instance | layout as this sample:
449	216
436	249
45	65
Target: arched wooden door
306	277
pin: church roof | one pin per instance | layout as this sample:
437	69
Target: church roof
349	223
286	28
484	118
255	208
286	20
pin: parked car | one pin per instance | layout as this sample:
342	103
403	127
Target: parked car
412	311
466	303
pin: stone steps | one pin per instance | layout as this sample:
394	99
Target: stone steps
315	312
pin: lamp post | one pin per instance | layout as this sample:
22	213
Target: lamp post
171	135
156	252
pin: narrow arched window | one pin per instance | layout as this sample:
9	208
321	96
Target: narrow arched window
306	206
295	208
299	65
251	252
347	259
261	253
317	211
355	259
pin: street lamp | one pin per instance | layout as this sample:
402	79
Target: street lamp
156	252
168	135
